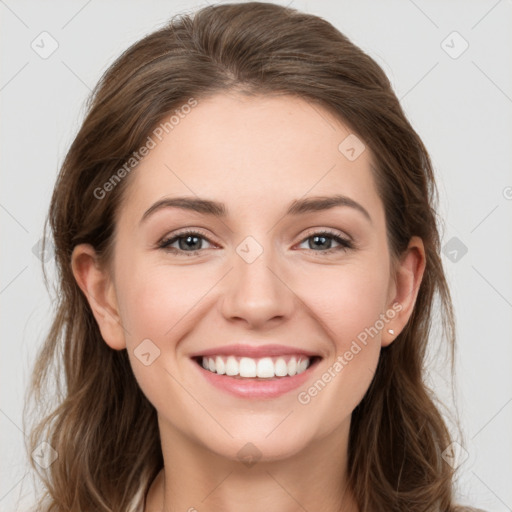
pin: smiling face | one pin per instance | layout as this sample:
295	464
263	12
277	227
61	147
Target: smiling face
267	263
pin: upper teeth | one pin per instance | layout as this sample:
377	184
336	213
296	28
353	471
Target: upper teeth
267	367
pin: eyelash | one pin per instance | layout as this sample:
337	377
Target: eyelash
344	244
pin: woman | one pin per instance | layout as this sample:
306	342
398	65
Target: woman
246	239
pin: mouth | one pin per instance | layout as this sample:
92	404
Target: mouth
257	369
264	378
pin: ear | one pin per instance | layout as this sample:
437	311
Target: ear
96	284
404	288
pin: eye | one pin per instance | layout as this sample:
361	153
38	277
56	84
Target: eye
189	243
322	242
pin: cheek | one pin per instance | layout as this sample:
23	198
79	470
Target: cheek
158	306
346	300
154	299
348	303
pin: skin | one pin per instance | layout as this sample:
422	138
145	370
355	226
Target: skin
257	155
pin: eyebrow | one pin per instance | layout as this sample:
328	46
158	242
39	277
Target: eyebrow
216	209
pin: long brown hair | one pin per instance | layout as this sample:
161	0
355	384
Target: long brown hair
94	416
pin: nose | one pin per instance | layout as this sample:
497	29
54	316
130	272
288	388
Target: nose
258	292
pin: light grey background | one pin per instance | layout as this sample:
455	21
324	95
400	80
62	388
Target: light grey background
461	107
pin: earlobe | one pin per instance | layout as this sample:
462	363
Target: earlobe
408	277
98	288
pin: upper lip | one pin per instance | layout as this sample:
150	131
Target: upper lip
254	351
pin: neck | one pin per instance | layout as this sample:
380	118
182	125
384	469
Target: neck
195	479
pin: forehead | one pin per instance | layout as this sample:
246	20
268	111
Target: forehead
252	151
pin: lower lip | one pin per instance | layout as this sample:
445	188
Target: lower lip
254	387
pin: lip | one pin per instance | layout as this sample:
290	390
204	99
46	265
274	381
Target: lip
258	351
255	388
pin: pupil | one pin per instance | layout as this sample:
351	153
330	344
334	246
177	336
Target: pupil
189	244
323	238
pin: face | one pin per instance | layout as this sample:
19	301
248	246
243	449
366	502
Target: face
278	275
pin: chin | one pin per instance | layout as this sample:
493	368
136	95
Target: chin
259	444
